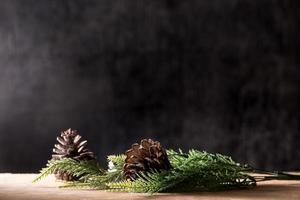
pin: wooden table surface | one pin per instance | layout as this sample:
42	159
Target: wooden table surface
19	187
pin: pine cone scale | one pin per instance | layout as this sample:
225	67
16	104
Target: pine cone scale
57	157
59	147
77	139
81	148
61	141
58	151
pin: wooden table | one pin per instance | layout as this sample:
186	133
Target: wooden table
19	187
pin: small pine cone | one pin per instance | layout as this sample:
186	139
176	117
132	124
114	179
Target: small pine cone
144	157
70	145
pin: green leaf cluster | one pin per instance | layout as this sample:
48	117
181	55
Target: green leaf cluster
80	169
194	171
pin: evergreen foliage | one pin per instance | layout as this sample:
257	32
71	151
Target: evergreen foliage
191	172
82	169
194	171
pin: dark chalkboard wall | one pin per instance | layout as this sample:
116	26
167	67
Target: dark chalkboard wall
217	75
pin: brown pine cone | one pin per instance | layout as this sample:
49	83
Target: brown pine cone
70	145
144	157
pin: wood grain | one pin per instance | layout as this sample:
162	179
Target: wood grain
19	187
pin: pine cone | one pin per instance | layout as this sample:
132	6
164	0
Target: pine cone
70	145
144	157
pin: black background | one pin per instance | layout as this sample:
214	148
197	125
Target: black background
221	76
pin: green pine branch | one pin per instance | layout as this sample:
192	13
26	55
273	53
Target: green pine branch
82	169
113	174
92	182
115	171
118	160
194	171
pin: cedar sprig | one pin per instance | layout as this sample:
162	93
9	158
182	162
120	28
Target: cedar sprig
194	171
82	169
118	160
91	175
99	181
